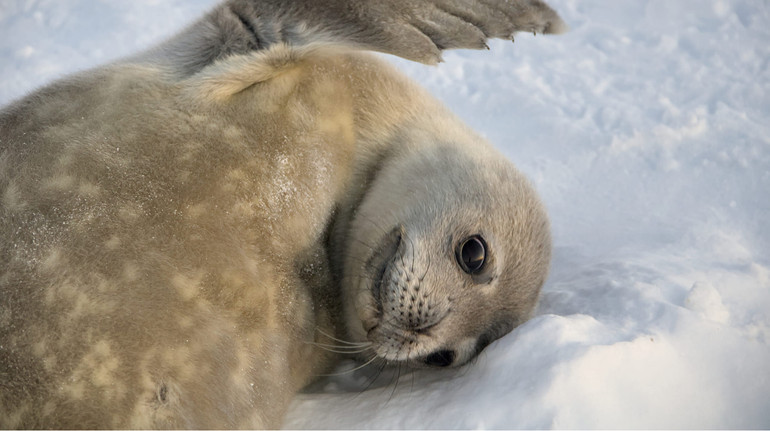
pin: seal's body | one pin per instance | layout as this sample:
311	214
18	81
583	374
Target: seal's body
183	232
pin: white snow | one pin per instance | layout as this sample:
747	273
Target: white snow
646	130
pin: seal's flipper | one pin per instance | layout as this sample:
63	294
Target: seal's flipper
413	29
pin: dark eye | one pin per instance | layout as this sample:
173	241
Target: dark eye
471	254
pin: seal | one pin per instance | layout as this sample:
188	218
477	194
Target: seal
193	234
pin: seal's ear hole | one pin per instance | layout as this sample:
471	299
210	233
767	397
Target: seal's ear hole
162	394
471	254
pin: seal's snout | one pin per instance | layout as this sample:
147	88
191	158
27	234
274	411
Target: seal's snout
440	358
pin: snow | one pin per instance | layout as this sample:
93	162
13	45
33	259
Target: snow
645	129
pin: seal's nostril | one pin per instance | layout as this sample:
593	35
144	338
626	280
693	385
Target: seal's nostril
441	358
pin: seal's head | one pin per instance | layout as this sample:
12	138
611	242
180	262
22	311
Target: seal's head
447	252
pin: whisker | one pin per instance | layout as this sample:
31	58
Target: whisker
337	346
373	223
427	268
337	349
342	341
395	384
376	377
350	371
360	348
370	246
411	388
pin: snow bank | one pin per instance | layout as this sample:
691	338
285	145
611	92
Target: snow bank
646	130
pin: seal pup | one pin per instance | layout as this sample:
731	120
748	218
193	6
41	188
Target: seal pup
186	234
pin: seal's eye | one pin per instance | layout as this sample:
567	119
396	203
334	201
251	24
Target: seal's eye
471	254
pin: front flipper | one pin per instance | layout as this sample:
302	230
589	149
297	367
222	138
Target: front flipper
413	29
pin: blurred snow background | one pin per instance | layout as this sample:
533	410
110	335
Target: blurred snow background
647	131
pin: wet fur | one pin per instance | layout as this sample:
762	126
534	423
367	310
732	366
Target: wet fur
176	227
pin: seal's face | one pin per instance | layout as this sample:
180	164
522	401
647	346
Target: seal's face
446	254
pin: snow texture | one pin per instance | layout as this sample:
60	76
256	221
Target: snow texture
645	129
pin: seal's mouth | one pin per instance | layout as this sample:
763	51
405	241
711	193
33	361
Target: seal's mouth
378	265
376	289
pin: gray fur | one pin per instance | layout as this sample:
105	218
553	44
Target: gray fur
415	30
182	231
